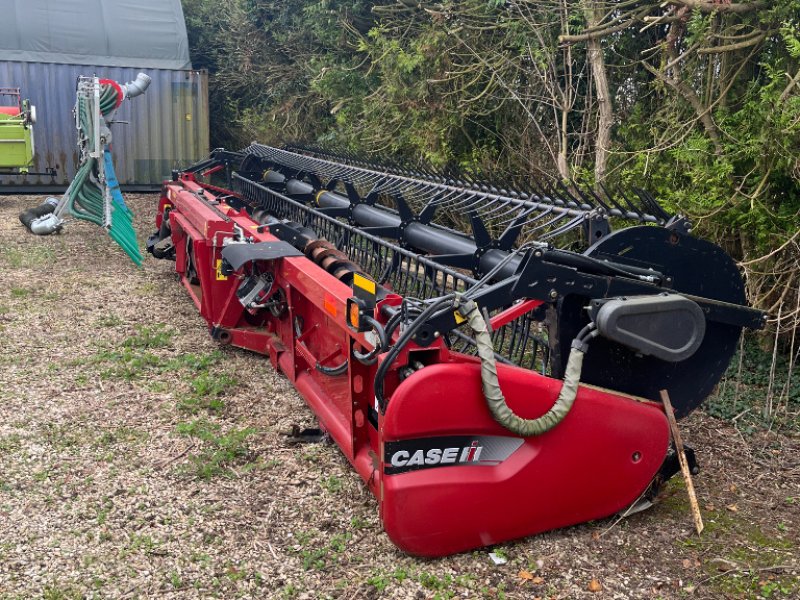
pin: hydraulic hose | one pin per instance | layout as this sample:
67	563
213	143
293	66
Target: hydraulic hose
371	357
405	337
495	400
333	371
94	193
339	369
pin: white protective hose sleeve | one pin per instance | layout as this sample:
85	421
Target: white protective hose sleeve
491	385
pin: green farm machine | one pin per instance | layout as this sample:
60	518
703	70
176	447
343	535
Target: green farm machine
16	132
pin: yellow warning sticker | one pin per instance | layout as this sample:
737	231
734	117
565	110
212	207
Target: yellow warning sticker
459	319
365	284
220	276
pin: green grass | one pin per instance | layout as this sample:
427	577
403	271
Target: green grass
128	365
29	258
109	321
381	580
64	436
175	580
754	551
58	592
9	444
206	390
120	435
332	484
150	336
220	451
141	544
320	554
137	359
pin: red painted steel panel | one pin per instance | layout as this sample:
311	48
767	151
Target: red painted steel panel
583	469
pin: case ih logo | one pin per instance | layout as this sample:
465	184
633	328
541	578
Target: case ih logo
427	453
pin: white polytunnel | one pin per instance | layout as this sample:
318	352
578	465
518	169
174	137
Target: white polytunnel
120	33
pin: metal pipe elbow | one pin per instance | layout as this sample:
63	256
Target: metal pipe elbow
138	86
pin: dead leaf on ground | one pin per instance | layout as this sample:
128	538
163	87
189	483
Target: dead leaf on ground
528	576
525	575
595	586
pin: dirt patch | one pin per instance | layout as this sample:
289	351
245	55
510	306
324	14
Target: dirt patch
139	459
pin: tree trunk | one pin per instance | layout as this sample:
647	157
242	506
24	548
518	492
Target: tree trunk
605	110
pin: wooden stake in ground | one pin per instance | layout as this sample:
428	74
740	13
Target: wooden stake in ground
687	475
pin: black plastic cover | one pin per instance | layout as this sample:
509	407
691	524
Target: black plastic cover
669	327
238	254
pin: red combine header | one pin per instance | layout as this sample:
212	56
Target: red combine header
487	386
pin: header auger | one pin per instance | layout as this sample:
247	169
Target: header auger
485	385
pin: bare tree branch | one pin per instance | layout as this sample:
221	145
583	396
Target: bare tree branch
595	33
710	6
753	41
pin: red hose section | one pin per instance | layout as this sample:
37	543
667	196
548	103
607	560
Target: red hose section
117	87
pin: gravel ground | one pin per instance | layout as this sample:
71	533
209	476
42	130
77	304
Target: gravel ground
139	460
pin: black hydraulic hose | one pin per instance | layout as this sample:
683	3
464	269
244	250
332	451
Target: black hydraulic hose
164	231
393	323
333	371
395	320
590	264
329	371
395	350
371	357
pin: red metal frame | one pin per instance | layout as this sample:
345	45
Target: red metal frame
597	461
12	111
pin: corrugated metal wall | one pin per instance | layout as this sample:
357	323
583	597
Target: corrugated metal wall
168	125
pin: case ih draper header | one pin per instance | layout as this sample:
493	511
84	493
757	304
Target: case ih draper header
486	386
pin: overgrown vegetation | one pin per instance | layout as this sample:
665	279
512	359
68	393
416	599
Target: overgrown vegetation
764	394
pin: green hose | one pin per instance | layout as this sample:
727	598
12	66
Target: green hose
490	383
87	200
